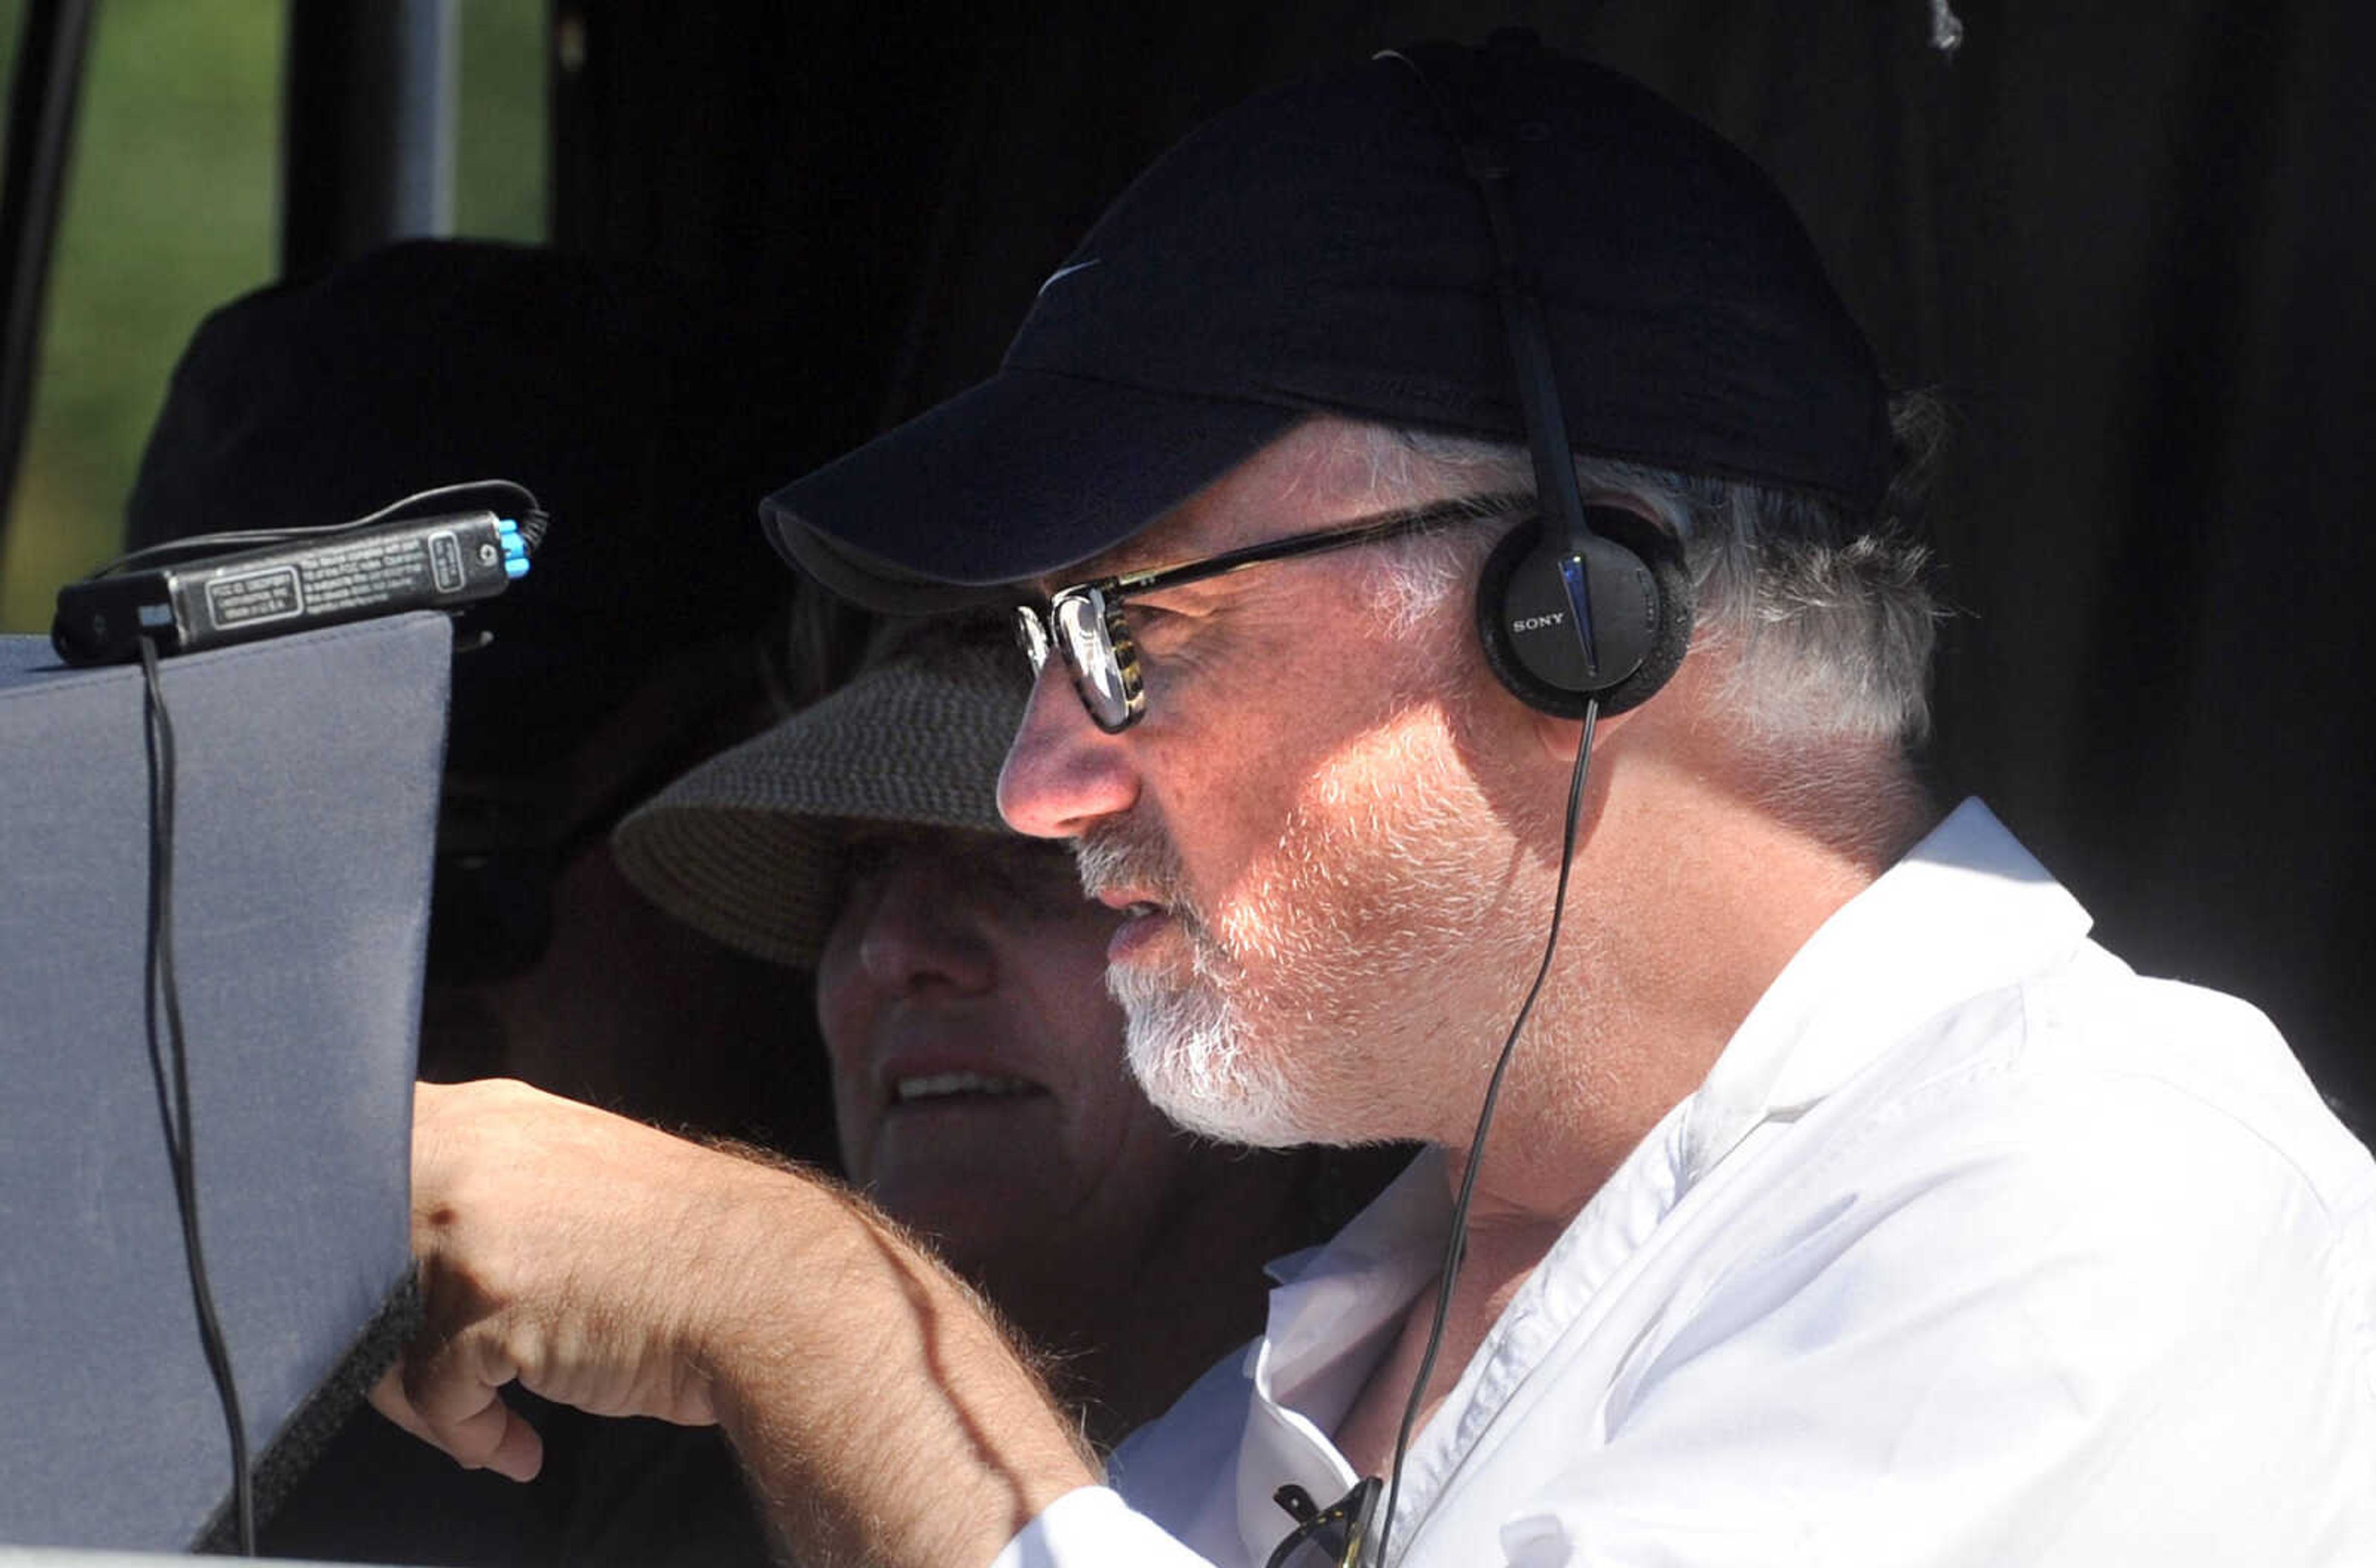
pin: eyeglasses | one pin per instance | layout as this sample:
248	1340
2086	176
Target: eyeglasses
1336	1537
1086	621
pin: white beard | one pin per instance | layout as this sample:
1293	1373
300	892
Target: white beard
1313	1007
1187	1050
1186	1038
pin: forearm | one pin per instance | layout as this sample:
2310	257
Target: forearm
880	1410
892	1421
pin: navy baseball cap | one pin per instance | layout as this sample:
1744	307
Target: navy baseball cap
1322	249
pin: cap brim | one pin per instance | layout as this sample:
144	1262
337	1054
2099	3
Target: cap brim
1023	476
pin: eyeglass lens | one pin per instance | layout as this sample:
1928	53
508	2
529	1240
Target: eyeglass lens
1031	637
1089	648
1338	1537
1317	1546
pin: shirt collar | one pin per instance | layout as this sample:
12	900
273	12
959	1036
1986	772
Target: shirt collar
1355	1284
1966	910
1334	1311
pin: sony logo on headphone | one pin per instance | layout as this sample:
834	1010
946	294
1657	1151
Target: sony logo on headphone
1537	623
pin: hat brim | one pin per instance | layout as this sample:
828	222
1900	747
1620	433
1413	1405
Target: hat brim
748	848
1021	477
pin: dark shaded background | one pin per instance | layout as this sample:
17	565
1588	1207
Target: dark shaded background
2127	241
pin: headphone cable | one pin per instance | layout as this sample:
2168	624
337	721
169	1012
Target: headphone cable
168	1063
1457	1243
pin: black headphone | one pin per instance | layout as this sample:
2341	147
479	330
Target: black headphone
1584	611
1587	602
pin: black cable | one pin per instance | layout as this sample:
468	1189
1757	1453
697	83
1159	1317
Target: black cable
1457	1243
168	1064
1486	158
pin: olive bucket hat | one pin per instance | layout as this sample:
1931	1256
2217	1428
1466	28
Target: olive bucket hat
751	846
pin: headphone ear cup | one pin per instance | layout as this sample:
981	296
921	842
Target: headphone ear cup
1642	612
1671	636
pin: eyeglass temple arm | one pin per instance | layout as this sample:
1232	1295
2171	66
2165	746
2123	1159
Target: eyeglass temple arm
1438	515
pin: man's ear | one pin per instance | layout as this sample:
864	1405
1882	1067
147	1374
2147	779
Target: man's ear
1557	737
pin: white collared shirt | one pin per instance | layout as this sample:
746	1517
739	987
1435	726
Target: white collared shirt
1973	1249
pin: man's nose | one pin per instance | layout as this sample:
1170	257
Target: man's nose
1063	773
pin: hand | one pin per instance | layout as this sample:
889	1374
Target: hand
878	1408
558	1244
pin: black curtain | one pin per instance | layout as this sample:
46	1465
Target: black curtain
2126	243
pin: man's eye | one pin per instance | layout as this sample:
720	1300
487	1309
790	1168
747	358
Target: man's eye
1143	619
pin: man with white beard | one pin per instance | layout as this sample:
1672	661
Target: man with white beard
1452	520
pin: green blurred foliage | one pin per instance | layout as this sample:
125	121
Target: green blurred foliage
172	208
500	107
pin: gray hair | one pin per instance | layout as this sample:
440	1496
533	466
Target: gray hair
1827	622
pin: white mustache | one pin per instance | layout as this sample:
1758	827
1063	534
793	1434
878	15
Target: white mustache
1116	856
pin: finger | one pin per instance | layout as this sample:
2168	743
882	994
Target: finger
387	1399
438	1401
515	1451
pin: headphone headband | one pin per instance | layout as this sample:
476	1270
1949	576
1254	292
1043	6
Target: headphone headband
1619	590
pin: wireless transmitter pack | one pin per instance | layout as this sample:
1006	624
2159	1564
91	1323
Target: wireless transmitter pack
195	596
